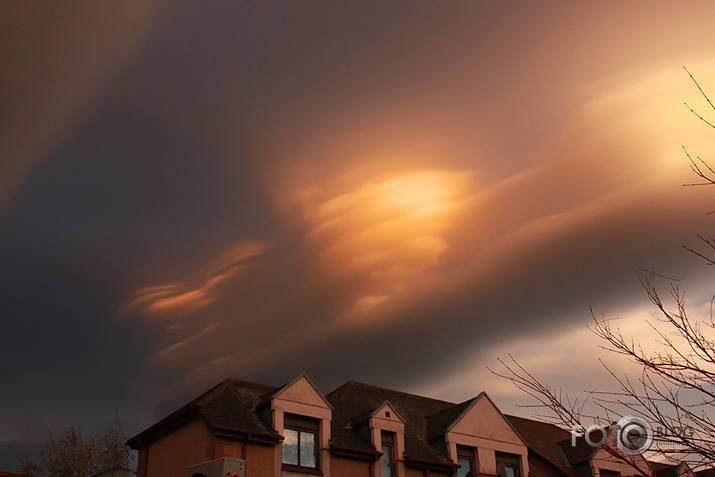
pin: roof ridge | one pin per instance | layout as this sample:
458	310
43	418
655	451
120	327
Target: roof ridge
245	381
403	392
347	384
213	393
450	408
511	416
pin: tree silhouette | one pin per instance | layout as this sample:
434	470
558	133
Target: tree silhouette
74	455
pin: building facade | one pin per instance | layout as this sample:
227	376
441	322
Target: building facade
359	430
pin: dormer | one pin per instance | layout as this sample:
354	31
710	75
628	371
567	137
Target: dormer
479	439
301	415
385	428
595	456
604	464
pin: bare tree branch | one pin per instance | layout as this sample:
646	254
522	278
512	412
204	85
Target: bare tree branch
676	388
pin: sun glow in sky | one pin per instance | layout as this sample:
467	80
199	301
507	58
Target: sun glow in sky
391	229
267	189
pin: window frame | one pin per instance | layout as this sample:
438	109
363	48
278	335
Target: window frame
505	460
387	439
302	425
467	453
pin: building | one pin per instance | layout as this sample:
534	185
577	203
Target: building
363	430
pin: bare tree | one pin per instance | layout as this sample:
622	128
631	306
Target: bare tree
676	387
74	455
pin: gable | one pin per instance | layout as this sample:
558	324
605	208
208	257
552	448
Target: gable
483	419
302	391
387	413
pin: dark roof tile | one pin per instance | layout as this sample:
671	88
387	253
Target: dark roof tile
353	399
543	438
440	422
230	407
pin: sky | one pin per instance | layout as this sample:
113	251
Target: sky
397	193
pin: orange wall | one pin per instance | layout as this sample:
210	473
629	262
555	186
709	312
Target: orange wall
173	453
193	444
348	467
259	459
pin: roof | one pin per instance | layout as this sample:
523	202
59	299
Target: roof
579	453
227	407
230	408
544	439
354	399
442	421
663	469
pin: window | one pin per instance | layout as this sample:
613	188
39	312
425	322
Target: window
387	459
608	473
465	459
507	464
301	443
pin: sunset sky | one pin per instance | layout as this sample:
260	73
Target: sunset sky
392	192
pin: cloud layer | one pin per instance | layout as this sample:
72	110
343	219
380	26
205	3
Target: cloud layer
374	193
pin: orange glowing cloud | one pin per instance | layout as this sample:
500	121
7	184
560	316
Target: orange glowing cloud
390	230
181	298
376	247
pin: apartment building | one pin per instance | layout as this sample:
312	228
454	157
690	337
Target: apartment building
362	430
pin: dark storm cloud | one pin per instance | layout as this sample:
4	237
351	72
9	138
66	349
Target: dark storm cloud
54	59
179	184
546	280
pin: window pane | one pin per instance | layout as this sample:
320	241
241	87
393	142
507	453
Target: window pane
465	469
508	464
307	449
386	461
290	447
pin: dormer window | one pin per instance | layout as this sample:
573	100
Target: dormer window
300	446
507	464
465	459
387	459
